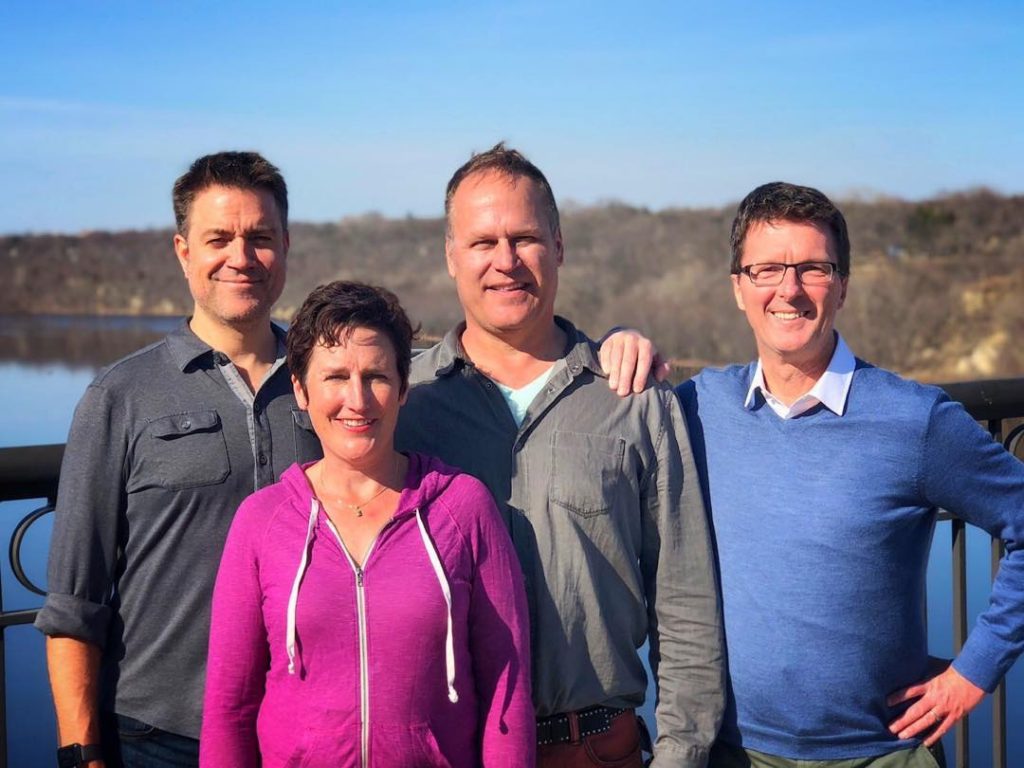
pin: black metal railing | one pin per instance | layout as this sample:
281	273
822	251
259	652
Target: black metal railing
31	473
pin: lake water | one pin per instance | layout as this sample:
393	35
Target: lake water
45	365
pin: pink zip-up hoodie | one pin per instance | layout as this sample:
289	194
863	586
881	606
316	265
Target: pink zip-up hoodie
419	658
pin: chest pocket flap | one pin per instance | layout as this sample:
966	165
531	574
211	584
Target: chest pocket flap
185	450
179	424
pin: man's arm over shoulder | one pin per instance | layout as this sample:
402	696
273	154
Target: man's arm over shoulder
83	551
683	600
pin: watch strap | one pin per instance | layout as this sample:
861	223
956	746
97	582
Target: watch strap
77	755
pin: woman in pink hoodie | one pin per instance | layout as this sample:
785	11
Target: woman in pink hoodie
369	609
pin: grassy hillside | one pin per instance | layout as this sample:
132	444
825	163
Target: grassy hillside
937	289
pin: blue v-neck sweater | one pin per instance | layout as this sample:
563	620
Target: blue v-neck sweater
823	525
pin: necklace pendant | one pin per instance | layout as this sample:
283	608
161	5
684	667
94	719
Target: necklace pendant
359	511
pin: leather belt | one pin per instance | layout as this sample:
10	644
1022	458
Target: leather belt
575	726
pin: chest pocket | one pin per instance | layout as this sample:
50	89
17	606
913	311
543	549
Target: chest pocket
307	444
187	450
586	471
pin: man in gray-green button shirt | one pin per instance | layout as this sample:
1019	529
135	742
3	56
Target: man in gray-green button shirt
600	493
164	446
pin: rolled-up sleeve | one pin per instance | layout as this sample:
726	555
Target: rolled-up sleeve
683	601
90	506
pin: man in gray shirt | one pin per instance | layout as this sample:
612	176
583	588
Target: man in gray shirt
164	446
600	493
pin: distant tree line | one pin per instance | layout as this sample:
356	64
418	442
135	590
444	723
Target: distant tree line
937	286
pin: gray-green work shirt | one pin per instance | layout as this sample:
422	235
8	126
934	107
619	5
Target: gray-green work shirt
601	497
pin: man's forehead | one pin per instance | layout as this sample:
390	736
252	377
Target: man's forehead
217	198
782	232
486	189
489	176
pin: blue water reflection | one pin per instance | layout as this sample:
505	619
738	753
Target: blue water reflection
39	399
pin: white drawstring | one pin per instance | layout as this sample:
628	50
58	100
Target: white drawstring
449	646
293	598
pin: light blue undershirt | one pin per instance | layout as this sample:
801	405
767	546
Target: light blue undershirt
519	400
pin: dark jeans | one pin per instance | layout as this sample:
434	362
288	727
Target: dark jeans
131	743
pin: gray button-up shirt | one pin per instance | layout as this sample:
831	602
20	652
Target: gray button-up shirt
164	446
601	498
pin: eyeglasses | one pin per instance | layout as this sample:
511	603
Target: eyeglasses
807	272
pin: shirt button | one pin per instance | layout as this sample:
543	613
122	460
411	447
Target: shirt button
256	409
262	458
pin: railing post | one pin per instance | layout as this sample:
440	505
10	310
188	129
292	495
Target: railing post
3	689
999	694
995	428
959	529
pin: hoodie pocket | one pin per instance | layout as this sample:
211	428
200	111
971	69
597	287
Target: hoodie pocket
406	746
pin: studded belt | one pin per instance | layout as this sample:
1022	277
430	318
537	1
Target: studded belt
574	726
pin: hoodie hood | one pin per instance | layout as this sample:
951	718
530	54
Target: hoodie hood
426	479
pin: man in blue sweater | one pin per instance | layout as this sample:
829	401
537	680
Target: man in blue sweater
823	477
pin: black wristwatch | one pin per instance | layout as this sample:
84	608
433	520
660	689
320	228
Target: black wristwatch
78	755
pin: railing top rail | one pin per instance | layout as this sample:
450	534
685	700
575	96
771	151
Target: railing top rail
30	472
989	398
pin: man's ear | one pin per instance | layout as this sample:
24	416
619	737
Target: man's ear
181	251
300	393
737	293
449	259
559	248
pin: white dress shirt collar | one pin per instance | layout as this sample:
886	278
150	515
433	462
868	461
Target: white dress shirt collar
831	389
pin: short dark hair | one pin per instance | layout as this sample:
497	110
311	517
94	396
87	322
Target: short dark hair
241	170
781	201
334	310
511	163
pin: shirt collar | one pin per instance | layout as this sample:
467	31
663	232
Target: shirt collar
185	347
832	389
579	353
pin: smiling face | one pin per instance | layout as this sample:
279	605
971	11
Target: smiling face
792	323
233	256
353	393
503	254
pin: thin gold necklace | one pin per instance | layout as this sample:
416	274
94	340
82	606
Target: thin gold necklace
359	507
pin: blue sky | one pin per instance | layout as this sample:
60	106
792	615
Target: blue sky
371	106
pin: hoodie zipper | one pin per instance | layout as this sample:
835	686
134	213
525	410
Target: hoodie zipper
364	671
364	659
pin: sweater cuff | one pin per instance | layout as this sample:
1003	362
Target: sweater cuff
980	661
